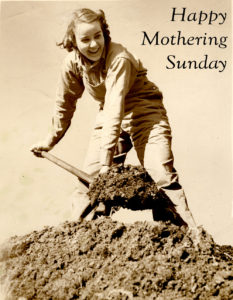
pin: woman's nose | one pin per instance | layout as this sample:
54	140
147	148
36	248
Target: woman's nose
93	44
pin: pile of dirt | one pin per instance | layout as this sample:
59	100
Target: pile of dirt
133	188
106	259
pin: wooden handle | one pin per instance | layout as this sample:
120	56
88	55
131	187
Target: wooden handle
84	177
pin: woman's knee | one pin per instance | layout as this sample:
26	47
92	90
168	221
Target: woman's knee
162	172
79	200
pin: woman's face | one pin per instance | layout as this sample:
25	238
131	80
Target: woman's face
90	40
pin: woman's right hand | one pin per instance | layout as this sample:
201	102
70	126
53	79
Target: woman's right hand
39	147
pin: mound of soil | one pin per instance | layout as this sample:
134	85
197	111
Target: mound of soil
105	259
102	259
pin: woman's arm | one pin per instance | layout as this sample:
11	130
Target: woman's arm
119	80
70	88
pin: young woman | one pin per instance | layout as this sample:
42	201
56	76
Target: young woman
130	107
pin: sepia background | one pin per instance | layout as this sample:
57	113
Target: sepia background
33	191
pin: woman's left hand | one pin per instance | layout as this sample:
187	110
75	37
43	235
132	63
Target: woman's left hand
104	169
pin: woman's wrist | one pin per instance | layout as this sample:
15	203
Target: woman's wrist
104	169
106	157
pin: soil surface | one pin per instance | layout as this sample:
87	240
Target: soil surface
106	259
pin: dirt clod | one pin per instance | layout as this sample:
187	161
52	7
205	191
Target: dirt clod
133	188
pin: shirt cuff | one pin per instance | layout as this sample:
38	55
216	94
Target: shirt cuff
51	140
106	157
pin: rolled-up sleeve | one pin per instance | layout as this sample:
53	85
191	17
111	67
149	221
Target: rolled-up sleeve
70	88
119	80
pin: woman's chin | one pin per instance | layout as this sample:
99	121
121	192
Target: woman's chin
94	56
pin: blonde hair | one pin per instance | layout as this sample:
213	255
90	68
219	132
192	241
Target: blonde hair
88	16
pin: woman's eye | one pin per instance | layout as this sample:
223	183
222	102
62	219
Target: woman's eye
85	40
98	36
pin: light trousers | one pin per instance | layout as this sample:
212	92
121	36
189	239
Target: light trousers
150	133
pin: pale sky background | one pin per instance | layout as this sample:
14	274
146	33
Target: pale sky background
33	191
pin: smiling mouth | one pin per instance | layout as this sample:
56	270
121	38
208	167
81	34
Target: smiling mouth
94	52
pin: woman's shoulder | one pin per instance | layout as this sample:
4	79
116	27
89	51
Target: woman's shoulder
70	59
117	51
72	62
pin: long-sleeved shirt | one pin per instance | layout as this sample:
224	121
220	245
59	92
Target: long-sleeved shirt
118	81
